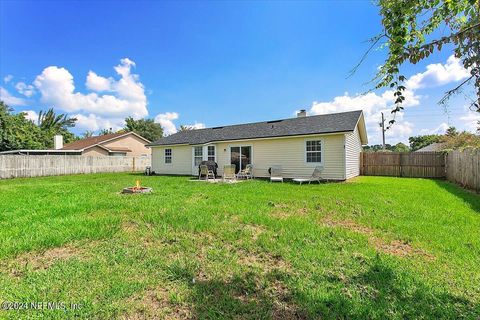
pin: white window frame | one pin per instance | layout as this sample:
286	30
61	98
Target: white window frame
165	156
194	156
322	152
214	152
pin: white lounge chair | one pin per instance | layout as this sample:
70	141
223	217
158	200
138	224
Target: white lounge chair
246	173
229	172
316	176
276	174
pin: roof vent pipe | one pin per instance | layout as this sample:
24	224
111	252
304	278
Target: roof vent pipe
302	113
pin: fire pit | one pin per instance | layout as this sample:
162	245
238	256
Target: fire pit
137	189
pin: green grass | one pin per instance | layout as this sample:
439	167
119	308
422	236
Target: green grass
373	248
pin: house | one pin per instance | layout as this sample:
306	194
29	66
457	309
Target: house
115	144
436	146
332	141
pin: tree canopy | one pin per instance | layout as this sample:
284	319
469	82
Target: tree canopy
147	128
18	132
413	30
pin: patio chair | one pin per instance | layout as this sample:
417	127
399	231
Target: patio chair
204	171
246	173
316	176
229	172
276	173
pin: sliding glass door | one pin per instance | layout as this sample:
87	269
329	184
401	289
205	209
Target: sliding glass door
240	157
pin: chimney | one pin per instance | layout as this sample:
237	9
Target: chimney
58	142
302	113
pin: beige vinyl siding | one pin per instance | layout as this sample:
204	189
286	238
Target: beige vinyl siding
181	160
95	152
132	142
353	148
290	154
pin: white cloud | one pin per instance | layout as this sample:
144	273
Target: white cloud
98	83
166	121
470	120
438	74
441	129
10	100
7	78
127	96
26	89
373	104
31	115
93	122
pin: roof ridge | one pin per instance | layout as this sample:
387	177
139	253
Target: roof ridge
267	121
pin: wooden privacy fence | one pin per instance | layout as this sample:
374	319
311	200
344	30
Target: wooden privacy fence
463	167
16	166
398	164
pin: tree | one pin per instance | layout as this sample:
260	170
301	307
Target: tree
418	142
49	120
401	147
105	131
451	132
87	134
17	132
147	128
52	124
461	140
410	30
185	128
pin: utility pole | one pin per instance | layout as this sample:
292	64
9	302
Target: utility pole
382	125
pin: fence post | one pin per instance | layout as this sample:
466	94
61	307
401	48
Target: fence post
400	163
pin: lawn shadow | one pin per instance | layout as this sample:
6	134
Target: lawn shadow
468	196
382	293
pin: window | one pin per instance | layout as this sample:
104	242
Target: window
168	155
211	153
314	151
197	156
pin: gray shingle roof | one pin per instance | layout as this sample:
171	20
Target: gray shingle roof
328	123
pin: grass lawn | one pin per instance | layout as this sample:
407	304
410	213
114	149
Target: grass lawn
373	248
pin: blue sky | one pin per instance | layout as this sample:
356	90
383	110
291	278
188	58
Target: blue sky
210	63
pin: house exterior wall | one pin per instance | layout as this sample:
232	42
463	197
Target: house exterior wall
95	152
287	152
290	154
131	142
353	148
181	160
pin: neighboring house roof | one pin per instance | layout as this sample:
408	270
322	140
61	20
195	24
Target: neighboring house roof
436	146
328	123
99	140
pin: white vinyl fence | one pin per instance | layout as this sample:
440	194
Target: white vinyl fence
16	166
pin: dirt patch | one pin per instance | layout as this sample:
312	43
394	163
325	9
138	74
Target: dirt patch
129	226
155	304
348	224
283	212
43	260
254	230
264	261
396	247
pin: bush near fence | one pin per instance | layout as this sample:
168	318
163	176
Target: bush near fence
16	166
